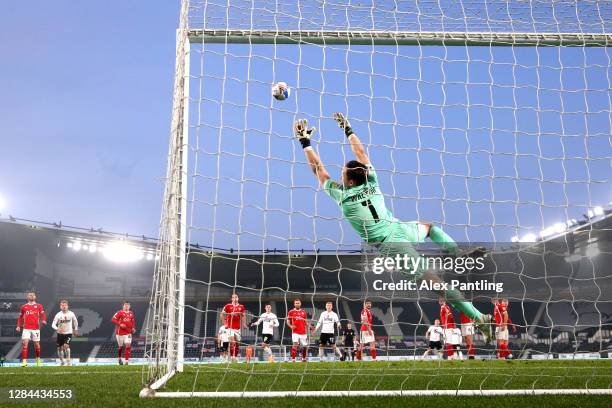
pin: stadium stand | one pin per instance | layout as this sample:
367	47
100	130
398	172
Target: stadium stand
39	260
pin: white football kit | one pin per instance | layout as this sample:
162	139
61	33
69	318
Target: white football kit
269	320
64	323
327	322
435	333
224	334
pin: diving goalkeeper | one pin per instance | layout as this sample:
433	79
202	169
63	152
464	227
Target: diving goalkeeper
363	205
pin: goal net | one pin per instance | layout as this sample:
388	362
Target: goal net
489	120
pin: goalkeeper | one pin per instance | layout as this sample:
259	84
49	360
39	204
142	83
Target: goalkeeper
363	205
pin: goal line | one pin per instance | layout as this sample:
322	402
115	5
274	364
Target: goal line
382	393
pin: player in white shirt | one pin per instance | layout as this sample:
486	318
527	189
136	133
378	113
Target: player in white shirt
270	321
223	341
329	322
65	324
435	334
455	341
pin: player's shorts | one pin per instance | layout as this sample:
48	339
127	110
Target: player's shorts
267	338
467	329
501	334
301	339
366	337
63	339
235	333
33	335
349	343
452	336
123	339
437	345
327	339
402	236
224	346
457	336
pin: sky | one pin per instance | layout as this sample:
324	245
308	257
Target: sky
85	101
488	142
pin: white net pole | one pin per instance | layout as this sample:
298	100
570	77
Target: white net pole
164	348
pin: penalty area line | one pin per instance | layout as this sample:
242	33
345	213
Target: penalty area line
43	373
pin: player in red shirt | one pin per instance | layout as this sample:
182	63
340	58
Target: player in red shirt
366	332
508	322
452	335
232	315
499	333
124	320
467	331
502	320
29	315
297	320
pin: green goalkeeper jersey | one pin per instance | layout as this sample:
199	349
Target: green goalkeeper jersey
364	207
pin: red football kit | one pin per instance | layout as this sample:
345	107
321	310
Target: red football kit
464	319
127	318
446	317
499	312
233	315
30	314
366	320
297	318
366	326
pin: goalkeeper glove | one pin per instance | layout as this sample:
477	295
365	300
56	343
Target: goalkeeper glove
302	133
343	123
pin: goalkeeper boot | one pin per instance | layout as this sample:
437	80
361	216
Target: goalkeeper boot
37	361
485	325
120	361
24	363
476	252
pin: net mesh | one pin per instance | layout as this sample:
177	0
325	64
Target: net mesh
492	143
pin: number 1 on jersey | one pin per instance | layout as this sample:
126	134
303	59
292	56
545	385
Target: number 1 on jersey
368	203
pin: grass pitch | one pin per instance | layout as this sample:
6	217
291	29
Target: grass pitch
118	386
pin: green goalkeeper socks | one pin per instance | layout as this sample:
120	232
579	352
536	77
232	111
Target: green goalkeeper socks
441	238
456	299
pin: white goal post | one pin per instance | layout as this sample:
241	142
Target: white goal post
165	327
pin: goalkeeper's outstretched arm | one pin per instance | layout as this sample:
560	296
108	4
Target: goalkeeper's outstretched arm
303	134
356	145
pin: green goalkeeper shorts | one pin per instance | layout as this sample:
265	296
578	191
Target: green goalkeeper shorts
401	241
412	232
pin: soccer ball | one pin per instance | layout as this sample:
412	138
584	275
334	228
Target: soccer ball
280	91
